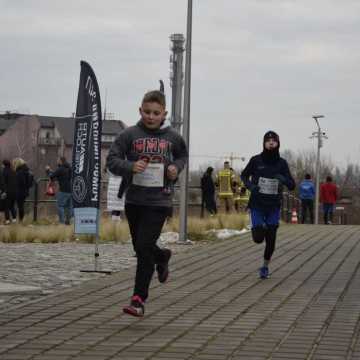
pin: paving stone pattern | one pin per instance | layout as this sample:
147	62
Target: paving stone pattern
214	307
55	267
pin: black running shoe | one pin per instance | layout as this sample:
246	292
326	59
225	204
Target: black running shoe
163	268
136	307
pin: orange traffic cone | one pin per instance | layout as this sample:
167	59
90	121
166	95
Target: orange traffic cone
294	217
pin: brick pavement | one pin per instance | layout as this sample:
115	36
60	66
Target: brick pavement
213	308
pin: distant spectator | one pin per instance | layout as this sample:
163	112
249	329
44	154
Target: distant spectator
307	195
24	181
328	197
225	181
9	178
2	190
63	198
208	191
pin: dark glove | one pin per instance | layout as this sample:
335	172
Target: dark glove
281	178
254	188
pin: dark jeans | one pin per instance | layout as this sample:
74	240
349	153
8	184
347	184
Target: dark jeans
145	223
21	208
64	207
328	212
10	208
307	205
210	204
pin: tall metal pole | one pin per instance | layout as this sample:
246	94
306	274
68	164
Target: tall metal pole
176	79
319	136
184	185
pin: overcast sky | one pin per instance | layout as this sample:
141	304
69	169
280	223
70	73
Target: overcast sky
256	65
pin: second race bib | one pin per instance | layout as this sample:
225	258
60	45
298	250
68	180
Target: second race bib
268	186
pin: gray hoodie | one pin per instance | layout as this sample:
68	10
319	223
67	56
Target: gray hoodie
164	146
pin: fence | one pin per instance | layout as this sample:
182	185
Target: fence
289	201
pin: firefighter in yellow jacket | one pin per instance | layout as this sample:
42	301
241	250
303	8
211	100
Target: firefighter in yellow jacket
241	196
225	179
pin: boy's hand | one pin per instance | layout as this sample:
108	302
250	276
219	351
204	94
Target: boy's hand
140	166
172	172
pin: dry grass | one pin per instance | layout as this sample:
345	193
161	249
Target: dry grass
116	231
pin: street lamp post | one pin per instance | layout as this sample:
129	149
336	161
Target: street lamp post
184	184
319	135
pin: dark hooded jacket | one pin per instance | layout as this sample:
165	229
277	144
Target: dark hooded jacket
63	176
207	183
22	182
9	176
264	167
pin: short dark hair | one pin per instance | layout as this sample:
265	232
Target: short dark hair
329	178
62	159
154	96
6	163
307	176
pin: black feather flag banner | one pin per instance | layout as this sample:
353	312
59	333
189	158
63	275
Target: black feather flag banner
86	161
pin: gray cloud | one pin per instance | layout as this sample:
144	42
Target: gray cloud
257	65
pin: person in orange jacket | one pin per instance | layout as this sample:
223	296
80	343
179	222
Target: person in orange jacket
328	197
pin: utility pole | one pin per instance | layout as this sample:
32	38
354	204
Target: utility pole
184	185
176	79
319	134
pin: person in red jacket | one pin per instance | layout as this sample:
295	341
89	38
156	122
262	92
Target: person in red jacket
328	197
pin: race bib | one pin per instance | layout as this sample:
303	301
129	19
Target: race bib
268	186
153	176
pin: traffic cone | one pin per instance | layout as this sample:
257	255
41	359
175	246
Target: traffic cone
294	217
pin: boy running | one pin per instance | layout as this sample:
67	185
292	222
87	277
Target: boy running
264	176
149	156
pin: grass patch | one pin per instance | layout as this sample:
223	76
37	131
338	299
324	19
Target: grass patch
113	231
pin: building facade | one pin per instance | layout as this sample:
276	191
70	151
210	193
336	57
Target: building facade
40	140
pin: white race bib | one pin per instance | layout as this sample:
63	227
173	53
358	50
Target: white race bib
268	186
153	176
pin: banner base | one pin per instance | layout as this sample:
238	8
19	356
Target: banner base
107	272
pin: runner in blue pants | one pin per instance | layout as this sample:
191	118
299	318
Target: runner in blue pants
265	175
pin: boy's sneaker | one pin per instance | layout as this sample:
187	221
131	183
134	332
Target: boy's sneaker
163	268
136	307
264	272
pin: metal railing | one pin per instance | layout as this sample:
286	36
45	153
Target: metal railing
288	203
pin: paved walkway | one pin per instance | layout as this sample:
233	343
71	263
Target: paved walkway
214	307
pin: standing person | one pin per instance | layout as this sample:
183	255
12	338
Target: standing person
24	180
63	197
149	156
9	176
307	195
264	176
328	197
208	191
2	190
225	181
241	198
